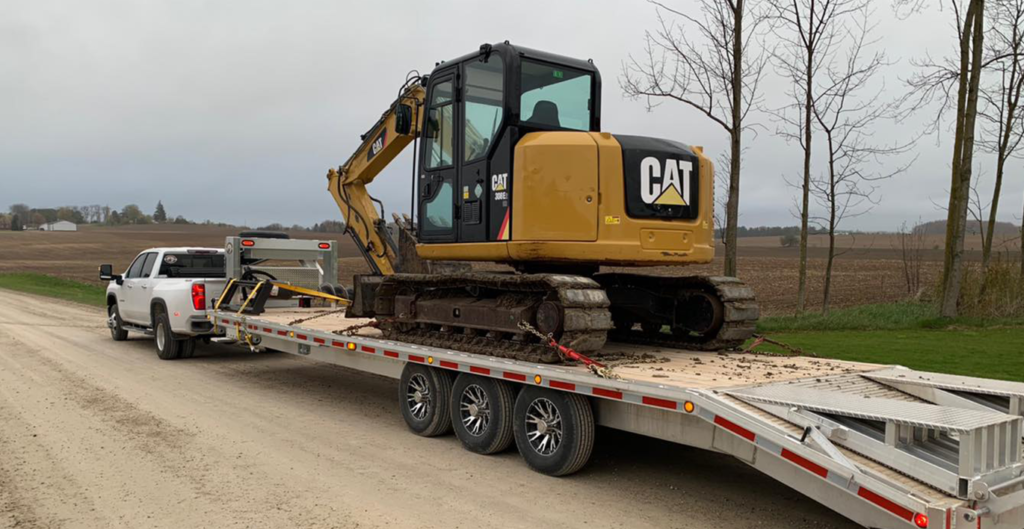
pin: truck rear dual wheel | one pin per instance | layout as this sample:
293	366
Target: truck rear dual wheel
169	346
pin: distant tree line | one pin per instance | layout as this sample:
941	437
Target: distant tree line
775	231
22	216
327	226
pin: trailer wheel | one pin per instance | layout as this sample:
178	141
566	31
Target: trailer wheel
116	324
424	394
167	347
482	411
554	430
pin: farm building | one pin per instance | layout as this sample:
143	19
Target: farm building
60	225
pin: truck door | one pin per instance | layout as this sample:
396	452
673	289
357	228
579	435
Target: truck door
136	290
439	152
482	118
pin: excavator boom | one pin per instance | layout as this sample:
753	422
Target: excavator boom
395	130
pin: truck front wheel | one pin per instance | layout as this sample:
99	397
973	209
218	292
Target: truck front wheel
116	324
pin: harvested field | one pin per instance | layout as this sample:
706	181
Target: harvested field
870	272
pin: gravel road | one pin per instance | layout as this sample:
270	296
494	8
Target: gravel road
95	433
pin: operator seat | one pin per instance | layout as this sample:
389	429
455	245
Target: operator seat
545	113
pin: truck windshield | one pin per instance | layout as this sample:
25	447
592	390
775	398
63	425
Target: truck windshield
555	97
192	265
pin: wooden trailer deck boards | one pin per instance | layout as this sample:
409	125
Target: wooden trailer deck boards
887	447
656	365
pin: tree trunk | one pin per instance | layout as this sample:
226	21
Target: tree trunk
955	230
736	131
1002	155
832	198
801	293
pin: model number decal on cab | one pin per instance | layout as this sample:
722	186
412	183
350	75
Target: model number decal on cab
670	187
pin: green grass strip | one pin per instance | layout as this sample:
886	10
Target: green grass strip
44	285
889	316
978	352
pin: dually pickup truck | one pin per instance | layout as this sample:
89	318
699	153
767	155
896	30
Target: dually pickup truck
166	293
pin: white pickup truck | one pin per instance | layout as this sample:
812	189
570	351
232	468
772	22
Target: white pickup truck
166	293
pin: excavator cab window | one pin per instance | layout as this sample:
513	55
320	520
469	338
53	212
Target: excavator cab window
555	97
484	105
440	126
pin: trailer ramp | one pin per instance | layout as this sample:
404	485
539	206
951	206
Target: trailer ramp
962	442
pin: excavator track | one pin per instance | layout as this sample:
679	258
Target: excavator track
691	312
479	312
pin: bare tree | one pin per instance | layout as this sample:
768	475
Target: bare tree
936	81
705	61
806	31
911	245
846	117
1004	123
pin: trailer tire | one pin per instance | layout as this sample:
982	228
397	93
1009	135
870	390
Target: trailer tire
482	410
424	394
116	324
167	346
568	414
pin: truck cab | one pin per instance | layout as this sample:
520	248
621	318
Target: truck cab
165	293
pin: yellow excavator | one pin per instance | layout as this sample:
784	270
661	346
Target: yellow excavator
512	168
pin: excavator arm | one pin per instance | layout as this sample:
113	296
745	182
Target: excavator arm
395	130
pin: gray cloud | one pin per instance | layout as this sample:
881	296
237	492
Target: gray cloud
234	110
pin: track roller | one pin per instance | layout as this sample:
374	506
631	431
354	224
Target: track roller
554	430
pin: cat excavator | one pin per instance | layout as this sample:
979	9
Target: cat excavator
512	167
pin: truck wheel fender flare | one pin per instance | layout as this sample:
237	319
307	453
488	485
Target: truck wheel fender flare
111	300
157	302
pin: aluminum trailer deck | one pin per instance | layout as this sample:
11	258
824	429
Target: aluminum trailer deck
884	446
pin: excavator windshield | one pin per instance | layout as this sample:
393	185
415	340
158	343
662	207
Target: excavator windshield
555	96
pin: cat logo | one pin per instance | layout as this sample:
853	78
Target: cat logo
377	145
670	187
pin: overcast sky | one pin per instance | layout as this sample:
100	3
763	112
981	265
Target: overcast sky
234	110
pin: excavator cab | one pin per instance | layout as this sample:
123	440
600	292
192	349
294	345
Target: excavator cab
478	108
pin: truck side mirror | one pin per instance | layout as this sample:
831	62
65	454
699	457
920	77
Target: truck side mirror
107	274
403	119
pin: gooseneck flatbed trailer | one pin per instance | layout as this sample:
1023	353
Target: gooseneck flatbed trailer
884	446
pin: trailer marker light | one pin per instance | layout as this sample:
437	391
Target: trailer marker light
248	242
921	520
689	407
536	379
351	346
430	359
324	246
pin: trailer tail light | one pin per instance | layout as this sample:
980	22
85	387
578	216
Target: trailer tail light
921	520
325	246
248	243
198	296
